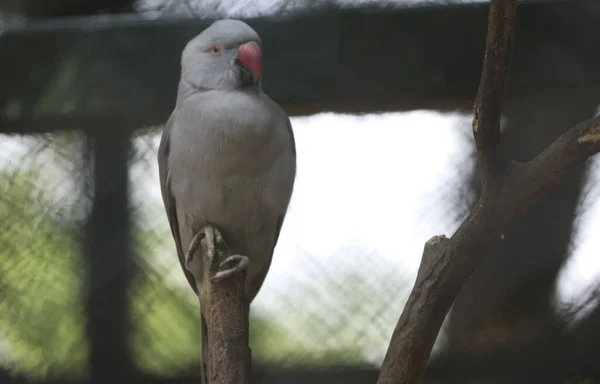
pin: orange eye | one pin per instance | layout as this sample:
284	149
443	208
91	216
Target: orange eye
216	50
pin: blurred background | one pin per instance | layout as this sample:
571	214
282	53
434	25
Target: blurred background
380	94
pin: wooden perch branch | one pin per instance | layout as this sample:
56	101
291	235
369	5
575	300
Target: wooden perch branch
226	314
509	188
224	308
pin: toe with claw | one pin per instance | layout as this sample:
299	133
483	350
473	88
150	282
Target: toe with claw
232	265
192	249
215	248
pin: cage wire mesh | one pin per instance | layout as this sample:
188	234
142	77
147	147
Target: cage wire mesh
332	309
43	203
316	309
335	307
327	310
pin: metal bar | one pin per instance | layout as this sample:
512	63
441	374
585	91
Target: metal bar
109	260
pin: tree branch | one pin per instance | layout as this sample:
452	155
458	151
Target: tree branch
220	279
492	90
226	314
509	189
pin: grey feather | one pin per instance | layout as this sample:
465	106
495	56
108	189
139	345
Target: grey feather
227	156
168	199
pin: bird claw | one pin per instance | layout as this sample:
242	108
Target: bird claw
213	243
230	266
216	249
189	256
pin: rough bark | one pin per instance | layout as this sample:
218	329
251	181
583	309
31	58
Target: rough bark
226	314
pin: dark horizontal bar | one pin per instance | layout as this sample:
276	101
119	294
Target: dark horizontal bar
353	61
260	375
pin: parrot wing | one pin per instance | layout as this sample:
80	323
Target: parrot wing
168	199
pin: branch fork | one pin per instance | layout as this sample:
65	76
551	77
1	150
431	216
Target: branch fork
508	189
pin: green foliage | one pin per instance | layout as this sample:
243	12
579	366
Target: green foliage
276	343
166	317
42	323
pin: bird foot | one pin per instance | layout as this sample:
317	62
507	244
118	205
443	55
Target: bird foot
216	249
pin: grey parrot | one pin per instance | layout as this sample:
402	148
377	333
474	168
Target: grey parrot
227	156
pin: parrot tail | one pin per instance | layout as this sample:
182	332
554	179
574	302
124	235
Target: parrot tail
205	358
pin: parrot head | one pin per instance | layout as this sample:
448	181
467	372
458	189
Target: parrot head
225	56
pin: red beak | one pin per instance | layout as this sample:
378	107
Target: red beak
250	56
